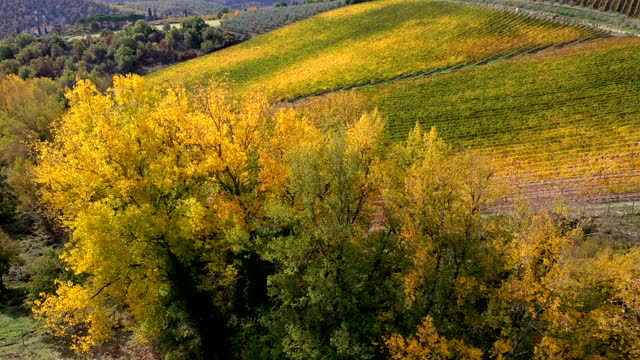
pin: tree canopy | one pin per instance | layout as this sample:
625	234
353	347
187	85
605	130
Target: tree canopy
222	227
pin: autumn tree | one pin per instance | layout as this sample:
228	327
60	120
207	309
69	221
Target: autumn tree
428	344
27	109
155	192
335	286
528	284
221	227
567	295
435	205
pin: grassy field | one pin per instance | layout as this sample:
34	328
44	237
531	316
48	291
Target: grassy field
22	338
371	42
566	119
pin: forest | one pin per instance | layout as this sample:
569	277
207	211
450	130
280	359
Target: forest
212	226
135	49
41	17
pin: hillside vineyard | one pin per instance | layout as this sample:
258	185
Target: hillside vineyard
551	103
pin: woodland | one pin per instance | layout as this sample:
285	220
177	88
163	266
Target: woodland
18	16
148	218
211	226
134	49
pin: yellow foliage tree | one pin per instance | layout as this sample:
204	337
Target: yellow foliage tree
27	109
150	186
169	197
428	344
566	296
165	194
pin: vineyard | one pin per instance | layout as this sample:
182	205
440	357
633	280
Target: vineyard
625	7
555	107
562	122
263	20
370	42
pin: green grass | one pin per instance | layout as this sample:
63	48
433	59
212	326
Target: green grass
20	336
370	42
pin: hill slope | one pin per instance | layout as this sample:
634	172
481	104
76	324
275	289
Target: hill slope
558	122
561	122
371	42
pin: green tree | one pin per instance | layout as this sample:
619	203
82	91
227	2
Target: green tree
335	286
9	255
142	27
8	201
44	271
9	66
26	72
212	38
23	40
7	51
126	59
192	29
29	52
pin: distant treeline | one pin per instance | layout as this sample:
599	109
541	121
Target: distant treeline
110	21
170	8
40	17
135	49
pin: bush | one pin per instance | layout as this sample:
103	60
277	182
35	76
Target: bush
9	255
44	271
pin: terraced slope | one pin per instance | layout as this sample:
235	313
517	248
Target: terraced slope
565	121
371	42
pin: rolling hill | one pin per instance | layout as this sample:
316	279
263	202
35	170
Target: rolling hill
372	42
554	105
560	122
